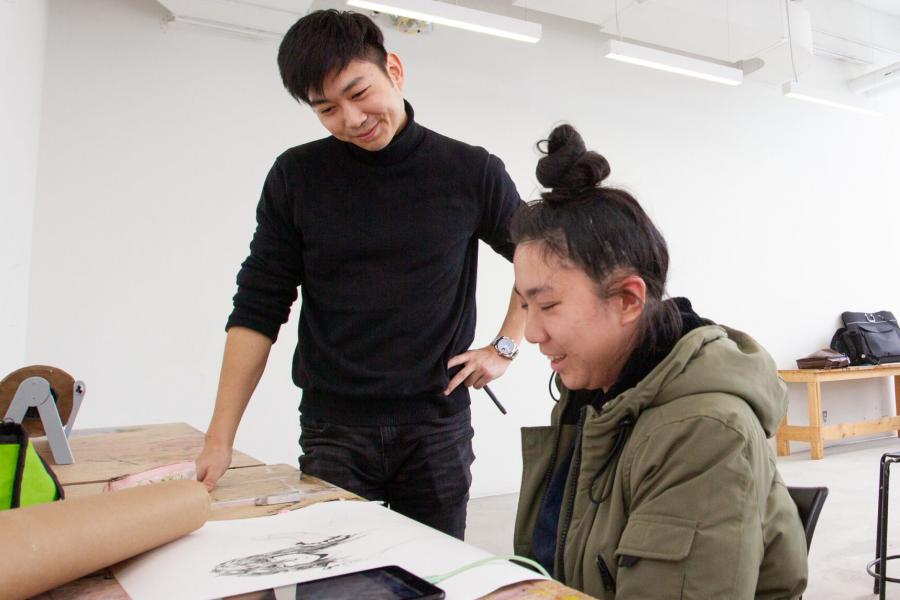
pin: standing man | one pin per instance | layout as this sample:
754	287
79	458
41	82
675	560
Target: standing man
378	225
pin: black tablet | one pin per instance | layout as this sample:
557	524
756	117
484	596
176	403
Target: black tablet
381	583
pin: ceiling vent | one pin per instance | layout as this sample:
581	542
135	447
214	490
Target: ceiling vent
263	19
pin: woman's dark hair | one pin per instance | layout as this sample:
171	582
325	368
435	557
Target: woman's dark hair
324	42
601	230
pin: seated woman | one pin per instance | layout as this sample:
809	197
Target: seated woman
655	479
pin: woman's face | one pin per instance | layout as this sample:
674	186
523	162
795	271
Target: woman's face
585	337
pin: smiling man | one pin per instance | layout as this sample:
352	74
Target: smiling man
378	226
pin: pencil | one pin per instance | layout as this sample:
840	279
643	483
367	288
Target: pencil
494	398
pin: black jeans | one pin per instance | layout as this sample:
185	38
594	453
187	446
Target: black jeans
421	470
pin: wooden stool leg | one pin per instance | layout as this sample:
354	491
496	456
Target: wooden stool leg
897	397
782	443
814	399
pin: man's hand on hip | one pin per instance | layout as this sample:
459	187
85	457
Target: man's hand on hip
479	368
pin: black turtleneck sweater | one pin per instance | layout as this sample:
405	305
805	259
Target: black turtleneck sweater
384	248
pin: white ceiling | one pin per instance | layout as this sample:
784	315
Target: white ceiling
593	11
726	30
863	32
271	18
890	7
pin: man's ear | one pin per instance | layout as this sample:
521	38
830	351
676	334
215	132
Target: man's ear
631	299
395	70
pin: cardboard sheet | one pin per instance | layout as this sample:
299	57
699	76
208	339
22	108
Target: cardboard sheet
47	545
231	557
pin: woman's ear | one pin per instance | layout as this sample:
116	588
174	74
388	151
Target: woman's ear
633	294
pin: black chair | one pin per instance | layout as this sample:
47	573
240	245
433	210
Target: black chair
809	501
880	568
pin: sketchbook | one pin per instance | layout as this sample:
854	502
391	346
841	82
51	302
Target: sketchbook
225	558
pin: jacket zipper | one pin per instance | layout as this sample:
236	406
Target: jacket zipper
609	584
571	483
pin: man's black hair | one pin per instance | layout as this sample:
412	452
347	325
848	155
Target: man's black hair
323	43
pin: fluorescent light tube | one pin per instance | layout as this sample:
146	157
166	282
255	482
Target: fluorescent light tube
452	15
663	60
792	89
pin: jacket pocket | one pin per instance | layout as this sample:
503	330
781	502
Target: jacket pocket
652	554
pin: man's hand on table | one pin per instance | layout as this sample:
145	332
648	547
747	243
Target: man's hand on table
213	461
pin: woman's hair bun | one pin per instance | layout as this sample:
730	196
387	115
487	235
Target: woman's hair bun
567	163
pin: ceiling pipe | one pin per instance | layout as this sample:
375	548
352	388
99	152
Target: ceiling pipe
875	79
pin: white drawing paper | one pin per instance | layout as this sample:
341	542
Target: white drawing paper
224	558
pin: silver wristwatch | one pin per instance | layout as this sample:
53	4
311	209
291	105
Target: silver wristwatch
505	347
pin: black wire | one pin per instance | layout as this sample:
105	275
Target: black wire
621	438
550	386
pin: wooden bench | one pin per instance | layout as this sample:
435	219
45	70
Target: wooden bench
816	432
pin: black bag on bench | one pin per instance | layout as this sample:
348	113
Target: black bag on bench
868	338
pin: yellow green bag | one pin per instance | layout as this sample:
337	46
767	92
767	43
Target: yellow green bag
25	478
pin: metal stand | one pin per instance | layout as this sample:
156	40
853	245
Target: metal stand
35	391
881	558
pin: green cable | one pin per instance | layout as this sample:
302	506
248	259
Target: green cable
434	579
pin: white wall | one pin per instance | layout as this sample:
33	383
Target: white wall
23	31
155	142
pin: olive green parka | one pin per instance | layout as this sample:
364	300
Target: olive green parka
672	491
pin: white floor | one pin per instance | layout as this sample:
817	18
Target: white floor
844	540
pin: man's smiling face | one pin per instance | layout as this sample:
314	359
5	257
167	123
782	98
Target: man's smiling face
362	104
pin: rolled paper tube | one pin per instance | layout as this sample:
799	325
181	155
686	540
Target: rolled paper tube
47	545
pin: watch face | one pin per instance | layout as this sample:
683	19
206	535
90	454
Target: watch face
506	346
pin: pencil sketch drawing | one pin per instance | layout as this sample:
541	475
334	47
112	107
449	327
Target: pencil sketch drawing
299	557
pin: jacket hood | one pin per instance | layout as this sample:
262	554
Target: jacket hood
709	359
